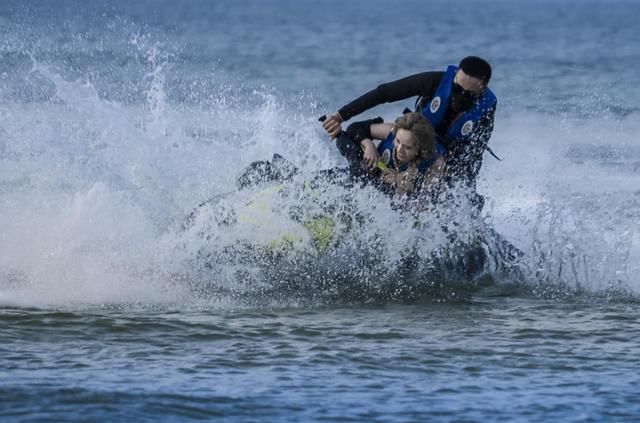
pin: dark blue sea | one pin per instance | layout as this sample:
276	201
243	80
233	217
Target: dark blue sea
118	119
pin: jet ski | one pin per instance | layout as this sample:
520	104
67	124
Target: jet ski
273	213
284	234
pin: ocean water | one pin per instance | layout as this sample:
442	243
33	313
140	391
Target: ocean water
117	119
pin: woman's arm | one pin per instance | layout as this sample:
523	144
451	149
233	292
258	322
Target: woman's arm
430	183
361	134
380	131
435	171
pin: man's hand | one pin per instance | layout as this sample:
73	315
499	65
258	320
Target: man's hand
332	124
370	156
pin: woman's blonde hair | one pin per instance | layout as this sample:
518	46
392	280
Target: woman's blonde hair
425	138
422	131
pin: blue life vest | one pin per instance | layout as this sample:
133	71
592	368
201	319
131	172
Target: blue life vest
461	129
385	150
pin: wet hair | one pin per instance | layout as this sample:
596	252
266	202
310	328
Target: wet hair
476	67
422	131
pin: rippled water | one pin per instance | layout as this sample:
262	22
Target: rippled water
117	119
492	358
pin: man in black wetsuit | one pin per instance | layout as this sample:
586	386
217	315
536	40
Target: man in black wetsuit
457	102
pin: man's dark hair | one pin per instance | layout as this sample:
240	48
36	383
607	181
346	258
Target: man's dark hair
476	67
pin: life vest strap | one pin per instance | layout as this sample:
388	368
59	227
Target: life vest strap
492	153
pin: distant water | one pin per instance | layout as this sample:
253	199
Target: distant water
117	119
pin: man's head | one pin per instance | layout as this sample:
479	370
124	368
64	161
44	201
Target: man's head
469	83
476	68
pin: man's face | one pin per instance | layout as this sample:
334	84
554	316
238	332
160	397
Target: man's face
466	91
469	83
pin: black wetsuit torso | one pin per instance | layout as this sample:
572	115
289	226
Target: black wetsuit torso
463	162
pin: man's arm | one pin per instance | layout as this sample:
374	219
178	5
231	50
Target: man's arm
480	140
467	163
422	84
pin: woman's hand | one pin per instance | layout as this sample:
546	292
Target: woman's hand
370	157
332	124
390	177
402	181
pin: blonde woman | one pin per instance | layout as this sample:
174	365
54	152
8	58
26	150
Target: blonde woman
408	154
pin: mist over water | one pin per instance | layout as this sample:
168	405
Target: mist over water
114	126
93	187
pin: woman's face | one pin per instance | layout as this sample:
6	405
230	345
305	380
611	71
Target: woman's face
405	146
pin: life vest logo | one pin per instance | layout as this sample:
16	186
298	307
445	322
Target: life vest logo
435	104
386	156
467	128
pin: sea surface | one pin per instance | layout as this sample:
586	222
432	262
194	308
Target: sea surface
119	118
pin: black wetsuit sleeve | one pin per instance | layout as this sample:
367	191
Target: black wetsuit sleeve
479	142
362	130
422	84
348	143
